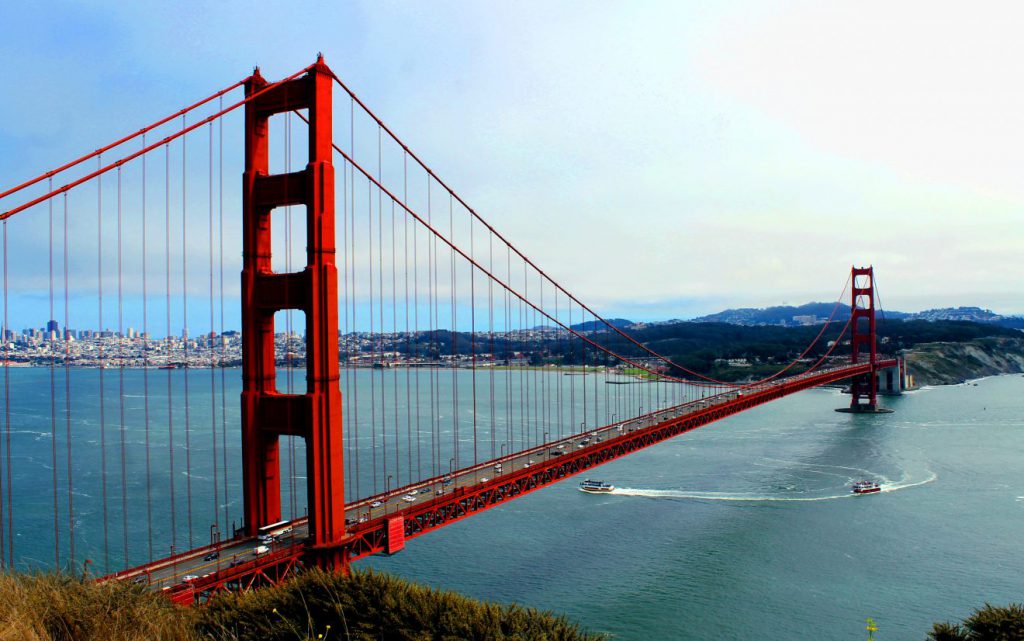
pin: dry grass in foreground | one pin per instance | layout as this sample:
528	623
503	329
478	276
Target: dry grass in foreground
314	605
56	607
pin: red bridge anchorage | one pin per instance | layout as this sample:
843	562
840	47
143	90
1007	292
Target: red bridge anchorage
410	298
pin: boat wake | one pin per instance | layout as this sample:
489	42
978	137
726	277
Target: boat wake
887	486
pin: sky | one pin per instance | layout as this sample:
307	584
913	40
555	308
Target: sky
661	159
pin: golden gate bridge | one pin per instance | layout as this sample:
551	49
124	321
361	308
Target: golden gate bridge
429	343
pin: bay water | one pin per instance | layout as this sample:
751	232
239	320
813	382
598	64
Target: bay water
744	529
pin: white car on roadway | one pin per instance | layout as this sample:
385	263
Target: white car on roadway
409	498
376	504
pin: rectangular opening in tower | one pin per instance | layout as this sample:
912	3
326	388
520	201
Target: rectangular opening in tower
290	351
288	239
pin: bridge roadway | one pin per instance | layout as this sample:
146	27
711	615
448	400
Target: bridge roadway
435	502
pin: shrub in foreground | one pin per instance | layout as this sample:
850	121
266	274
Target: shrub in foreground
990	623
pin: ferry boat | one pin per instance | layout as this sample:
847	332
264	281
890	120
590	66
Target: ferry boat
866	487
596	487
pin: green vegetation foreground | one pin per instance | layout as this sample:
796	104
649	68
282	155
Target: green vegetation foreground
314	605
317	605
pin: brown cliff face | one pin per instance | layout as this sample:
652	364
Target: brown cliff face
949	363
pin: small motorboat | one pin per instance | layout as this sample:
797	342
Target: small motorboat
865	487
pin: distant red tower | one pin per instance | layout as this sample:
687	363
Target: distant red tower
863	338
266	413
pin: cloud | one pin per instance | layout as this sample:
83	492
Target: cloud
658	159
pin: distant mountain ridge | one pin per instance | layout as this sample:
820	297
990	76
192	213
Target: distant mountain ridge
811	314
814	313
589	326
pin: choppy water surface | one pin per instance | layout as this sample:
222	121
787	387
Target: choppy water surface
746	529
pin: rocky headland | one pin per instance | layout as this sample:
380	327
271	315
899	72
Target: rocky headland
951	363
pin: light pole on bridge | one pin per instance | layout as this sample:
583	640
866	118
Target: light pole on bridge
215	539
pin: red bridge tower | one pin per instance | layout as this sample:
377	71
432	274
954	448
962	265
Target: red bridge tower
267	413
863	342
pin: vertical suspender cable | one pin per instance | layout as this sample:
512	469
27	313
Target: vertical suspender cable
7	417
524	372
346	339
145	363
509	353
415	317
394	339
572	380
373	343
521	339
291	326
67	394
346	342
454	339
432	351
213	357
101	342
583	348
533	375
120	375
354	401
169	345
288	313
380	315
408	339
490	333
545	378
561	360
186	338
223	346
436	324
472	330
594	377
52	340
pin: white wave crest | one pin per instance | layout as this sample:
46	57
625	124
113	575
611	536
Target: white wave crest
760	498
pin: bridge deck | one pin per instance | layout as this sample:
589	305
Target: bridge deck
416	509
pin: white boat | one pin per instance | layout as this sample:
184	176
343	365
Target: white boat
866	487
596	487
